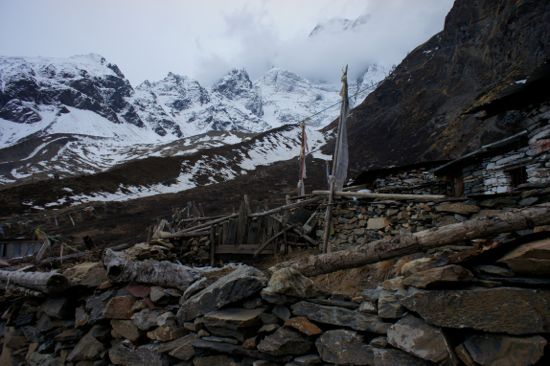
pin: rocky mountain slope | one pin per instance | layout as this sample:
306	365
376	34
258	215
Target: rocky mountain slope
80	115
425	109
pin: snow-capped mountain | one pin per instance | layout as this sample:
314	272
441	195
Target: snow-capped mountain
80	115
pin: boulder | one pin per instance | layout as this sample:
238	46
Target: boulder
214	360
290	282
389	306
377	223
233	322
243	282
368	307
526	311
285	342
119	307
457	208
393	357
414	336
201	347
307	360
530	259
233	318
303	325
340	317
125	329
125	354
342	346
165	333
88	348
58	308
489	349
438	276
145	319
87	274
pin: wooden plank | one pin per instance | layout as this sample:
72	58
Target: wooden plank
391	196
247	249
286	207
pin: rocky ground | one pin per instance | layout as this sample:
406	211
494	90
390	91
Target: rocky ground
484	302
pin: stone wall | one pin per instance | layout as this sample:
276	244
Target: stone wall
359	221
410	181
441	309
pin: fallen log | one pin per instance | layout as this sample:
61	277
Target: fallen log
46	282
122	269
517	219
389	196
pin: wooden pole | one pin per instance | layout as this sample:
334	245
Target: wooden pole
390	196
332	182
379	250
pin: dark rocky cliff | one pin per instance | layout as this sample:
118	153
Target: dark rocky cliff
424	110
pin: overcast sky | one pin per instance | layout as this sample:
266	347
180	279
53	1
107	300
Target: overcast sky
205	38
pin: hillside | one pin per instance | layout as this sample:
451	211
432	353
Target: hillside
424	110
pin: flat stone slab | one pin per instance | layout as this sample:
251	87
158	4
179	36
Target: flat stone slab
285	342
343	346
233	318
530	259
509	310
340	317
438	276
243	282
414	336
488	349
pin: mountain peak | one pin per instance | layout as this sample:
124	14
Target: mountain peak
235	83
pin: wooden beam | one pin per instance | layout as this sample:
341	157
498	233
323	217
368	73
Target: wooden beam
46	282
191	234
390	196
379	250
286	207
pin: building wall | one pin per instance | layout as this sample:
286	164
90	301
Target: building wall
494	174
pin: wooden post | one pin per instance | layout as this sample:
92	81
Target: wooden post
332	179
212	246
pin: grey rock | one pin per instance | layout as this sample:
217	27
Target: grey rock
201	347
526	312
342	346
146	319
281	312
379	342
394	357
389	306
414	336
58	308
243	282
437	276
88	348
340	317
368	307
125	354
285	342
214	361
488	349
290	282
307	360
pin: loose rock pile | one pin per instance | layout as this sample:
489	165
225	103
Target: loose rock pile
471	311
